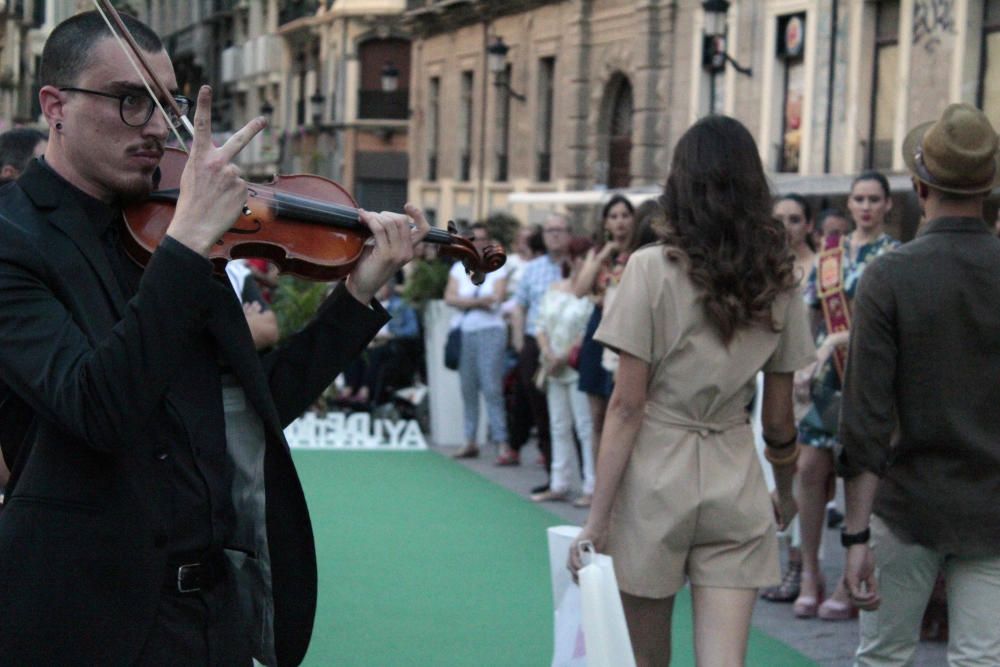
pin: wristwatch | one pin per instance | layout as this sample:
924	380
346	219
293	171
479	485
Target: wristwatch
850	539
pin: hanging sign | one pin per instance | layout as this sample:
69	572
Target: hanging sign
791	35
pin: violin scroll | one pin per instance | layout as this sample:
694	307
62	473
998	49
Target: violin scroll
477	264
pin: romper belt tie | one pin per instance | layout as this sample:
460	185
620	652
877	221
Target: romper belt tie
668	417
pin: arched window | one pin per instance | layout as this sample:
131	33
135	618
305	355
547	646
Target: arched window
620	135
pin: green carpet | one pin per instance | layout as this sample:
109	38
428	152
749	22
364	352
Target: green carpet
424	563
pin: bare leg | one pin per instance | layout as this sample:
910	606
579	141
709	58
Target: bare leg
721	624
649	628
815	466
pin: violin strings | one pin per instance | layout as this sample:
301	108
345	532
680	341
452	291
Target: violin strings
267	194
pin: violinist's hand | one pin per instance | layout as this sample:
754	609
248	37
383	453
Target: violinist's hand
212	193
395	236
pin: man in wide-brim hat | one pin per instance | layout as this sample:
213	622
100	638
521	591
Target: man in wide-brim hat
919	425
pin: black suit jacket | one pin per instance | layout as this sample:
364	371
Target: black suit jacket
87	383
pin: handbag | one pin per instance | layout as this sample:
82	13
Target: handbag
604	630
573	358
453	348
826	400
453	344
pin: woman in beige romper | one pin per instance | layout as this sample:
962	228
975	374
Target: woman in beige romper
680	493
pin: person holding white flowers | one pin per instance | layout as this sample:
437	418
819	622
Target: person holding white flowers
562	320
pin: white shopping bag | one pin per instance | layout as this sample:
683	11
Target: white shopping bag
568	647
604	628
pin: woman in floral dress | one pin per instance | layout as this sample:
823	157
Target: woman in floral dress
869	203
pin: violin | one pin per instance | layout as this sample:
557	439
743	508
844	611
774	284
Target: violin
308	226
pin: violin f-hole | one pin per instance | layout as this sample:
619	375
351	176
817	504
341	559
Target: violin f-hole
242	230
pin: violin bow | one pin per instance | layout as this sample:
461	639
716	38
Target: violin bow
132	52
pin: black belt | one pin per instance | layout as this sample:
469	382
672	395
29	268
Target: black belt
195	576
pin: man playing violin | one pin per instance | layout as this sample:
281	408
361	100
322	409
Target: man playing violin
154	514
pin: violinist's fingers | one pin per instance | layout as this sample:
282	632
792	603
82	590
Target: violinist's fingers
421	226
397	229
375	223
241	138
202	139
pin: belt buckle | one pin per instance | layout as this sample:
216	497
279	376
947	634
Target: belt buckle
181	571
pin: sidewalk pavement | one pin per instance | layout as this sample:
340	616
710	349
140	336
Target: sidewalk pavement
830	644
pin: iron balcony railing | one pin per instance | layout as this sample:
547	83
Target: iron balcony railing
392	105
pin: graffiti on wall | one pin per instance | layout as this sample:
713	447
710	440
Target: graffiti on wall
931	20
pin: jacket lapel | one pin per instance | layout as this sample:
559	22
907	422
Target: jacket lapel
65	214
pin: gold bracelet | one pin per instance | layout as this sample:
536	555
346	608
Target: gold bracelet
785	460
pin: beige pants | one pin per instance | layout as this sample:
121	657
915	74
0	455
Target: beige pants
906	575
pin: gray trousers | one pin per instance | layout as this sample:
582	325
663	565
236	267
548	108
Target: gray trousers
480	369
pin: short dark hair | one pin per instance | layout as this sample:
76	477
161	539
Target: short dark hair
832	213
69	48
17	146
650	223
479	224
535	241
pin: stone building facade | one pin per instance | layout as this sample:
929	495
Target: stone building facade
346	98
24	27
315	69
604	88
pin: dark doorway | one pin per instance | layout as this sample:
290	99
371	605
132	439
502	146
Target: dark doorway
620	131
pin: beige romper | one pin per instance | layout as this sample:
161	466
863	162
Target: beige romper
692	501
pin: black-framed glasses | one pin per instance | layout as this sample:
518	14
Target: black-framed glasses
136	109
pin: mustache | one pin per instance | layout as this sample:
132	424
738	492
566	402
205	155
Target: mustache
152	146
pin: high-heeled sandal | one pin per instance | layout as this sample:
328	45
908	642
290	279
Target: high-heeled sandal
788	589
833	609
807	606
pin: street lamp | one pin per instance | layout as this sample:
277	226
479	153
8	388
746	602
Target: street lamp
496	54
390	77
267	147
713	53
317	101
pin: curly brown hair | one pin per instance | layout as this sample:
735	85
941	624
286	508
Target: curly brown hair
718	209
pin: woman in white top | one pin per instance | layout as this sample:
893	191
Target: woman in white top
484	341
